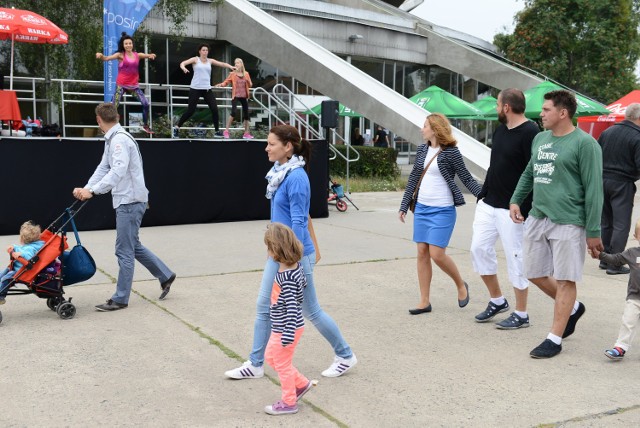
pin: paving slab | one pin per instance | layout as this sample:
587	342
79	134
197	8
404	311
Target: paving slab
162	363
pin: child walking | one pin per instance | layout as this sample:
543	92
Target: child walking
30	244
287	323
631	314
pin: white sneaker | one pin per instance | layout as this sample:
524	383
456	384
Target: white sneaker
245	371
340	366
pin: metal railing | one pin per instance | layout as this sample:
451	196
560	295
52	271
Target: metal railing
281	92
278	107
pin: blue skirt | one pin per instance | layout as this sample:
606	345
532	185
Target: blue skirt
433	225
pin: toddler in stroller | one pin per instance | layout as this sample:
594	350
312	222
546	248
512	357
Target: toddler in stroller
30	244
42	264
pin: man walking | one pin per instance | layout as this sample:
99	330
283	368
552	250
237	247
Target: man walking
620	170
120	172
510	154
565	175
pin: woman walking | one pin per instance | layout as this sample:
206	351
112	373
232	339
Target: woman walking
240	86
290	194
129	75
431	184
201	86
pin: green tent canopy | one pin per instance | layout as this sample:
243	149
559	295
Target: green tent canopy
437	100
487	106
535	98
342	111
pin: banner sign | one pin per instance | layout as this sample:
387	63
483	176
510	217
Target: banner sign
120	16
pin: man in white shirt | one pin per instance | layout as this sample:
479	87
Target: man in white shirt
120	172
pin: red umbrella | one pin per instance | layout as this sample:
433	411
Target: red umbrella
29	27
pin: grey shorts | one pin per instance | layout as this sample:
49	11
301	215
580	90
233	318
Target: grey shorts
556	250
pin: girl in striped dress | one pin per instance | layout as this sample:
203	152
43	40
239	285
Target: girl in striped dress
287	323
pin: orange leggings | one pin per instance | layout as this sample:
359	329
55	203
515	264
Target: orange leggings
281	359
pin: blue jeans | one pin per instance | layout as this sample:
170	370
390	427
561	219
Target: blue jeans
129	249
5	278
310	309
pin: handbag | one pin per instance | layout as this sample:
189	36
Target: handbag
77	264
414	197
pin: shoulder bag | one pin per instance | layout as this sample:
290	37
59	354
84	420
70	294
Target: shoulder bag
414	197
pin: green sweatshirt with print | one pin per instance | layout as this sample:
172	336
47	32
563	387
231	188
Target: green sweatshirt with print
565	175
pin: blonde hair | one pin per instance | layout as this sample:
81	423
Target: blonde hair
241	64
283	244
29	232
442	129
638	228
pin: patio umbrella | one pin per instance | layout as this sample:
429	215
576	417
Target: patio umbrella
535	98
487	106
29	27
437	100
342	111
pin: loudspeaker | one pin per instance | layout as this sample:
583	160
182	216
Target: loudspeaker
329	114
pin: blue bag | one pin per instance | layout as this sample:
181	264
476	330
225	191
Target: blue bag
77	264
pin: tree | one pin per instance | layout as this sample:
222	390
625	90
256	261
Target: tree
591	46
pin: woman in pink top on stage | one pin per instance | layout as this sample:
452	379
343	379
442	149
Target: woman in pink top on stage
128	75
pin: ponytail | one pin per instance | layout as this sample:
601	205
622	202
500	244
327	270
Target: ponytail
289	134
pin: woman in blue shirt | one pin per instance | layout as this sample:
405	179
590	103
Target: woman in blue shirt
290	194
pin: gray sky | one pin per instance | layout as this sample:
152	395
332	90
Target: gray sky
479	18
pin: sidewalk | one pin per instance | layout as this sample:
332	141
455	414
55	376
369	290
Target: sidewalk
162	363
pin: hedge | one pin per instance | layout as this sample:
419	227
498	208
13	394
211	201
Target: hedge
373	162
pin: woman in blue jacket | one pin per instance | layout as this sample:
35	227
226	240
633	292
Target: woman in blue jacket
290	194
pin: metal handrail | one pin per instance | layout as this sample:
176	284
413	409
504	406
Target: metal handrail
335	151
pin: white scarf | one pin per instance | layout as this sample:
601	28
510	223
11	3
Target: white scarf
277	174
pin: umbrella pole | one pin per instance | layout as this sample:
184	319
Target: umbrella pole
11	71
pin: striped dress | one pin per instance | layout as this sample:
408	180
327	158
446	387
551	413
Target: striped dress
286	303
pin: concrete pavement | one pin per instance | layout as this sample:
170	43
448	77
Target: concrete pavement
162	363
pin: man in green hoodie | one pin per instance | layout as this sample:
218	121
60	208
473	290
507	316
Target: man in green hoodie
565	175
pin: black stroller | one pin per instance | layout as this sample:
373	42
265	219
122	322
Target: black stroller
51	268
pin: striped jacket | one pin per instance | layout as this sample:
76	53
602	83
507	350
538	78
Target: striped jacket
286	303
450	163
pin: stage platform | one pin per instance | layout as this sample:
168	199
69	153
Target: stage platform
190	181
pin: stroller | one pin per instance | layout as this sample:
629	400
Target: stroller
45	273
336	195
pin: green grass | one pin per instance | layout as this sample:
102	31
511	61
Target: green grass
359	184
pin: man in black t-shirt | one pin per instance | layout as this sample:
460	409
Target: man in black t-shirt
381	139
510	154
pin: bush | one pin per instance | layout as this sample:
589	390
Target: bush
374	162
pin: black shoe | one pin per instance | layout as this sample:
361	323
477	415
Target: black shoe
218	134
166	286
573	320
111	306
491	311
513	322
419	311
546	349
464	302
603	265
619	270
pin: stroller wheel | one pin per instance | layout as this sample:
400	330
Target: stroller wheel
66	310
341	205
53	302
